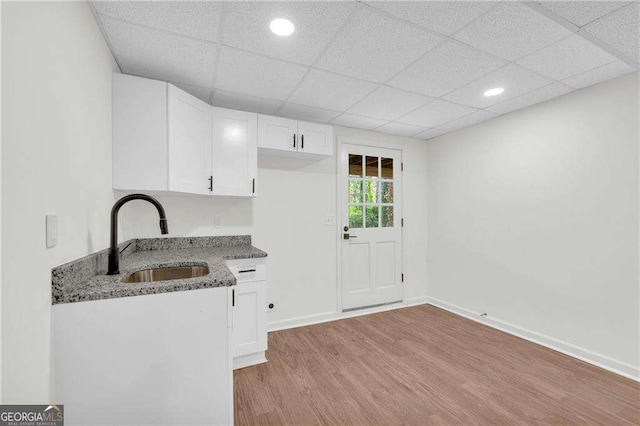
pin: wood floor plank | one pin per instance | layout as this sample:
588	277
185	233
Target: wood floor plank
424	366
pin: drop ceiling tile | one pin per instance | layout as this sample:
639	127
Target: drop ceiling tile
466	121
429	133
202	93
400	129
540	95
249	74
436	113
160	55
387	103
620	30
571	56
511	31
246	26
357	121
514	79
445	17
606	72
321	89
301	112
581	13
245	103
374	47
198	19
445	68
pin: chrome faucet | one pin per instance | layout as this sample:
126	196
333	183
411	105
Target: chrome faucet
114	255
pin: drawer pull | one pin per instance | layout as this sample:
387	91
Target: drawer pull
246	271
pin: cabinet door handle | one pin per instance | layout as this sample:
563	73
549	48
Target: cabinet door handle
302	142
246	271
210	183
253	186
233	297
294	140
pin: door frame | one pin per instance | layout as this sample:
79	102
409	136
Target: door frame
340	141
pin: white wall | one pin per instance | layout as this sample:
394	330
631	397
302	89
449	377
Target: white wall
56	158
287	221
0	213
533	219
289	224
187	215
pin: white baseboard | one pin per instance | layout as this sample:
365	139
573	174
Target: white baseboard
302	321
249	360
333	316
574	351
415	301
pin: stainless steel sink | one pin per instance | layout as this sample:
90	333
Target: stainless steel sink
166	274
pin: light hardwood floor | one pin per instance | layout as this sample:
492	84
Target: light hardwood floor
423	365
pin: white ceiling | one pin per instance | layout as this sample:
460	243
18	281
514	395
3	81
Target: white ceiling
415	68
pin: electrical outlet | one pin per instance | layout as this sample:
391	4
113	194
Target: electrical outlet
271	306
329	220
217	221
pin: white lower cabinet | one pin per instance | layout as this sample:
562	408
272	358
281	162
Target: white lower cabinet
249	336
161	359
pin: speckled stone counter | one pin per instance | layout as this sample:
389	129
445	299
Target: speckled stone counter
85	279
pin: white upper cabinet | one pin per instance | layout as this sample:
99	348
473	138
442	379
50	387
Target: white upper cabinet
140	154
235	150
166	140
190	143
277	133
291	138
315	138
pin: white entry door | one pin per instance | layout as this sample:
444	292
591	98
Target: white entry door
371	203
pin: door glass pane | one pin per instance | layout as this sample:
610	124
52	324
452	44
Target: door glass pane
372	216
371	191
386	192
355	165
355	216
355	190
387	167
386	217
372	166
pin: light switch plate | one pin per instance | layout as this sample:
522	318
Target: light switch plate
52	230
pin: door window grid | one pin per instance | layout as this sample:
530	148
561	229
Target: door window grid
370	197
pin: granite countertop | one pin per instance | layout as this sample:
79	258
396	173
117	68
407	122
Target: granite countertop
74	281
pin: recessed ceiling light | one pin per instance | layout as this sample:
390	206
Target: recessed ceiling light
494	92
281	27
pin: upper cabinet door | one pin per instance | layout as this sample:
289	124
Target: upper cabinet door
190	143
277	133
315	138
235	152
139	134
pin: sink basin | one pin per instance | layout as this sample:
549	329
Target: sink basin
166	274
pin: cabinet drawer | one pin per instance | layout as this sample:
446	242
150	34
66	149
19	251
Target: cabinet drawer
248	270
